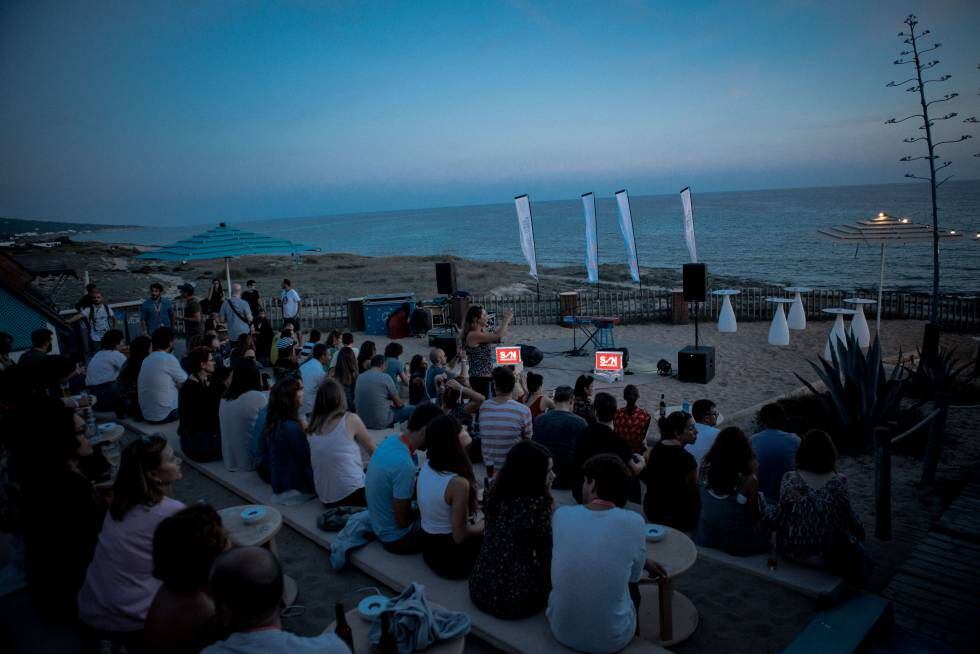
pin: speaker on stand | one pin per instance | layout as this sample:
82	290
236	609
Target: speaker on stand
446	277
696	364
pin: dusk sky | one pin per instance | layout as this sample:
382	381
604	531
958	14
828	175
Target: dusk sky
180	112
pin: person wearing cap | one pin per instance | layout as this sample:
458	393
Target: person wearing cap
193	320
558	430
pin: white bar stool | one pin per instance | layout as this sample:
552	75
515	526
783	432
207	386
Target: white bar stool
837	337
797	314
859	323
726	317
779	330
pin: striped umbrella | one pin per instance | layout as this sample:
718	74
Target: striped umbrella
225	242
884	230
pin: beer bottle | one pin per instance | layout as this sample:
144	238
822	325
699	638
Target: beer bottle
343	630
663	406
388	643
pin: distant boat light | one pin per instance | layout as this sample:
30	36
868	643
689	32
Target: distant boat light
905	221
952	232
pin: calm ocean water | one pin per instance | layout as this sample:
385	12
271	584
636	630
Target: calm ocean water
765	235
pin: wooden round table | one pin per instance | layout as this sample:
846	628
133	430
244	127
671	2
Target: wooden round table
669	617
261	533
361	629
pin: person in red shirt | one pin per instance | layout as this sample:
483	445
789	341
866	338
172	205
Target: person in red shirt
632	422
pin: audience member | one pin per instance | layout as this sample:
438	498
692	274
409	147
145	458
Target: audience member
290	471
416	380
334	343
86	300
160	378
673	498
394	368
98	320
511	578
42	342
211	304
377	398
817	525
156	311
104	368
346	373
336	440
247	585
503	421
476	339
127	384
193	315
632	422
600	438
119	586
774	448
447	499
6	346
732	511
236	314
290	301
535	399
237	413
199	399
583	398
437	373
313	373
364	355
598	558
251	295
264	335
244	348
312	340
182	615
389	485
559	431
705	415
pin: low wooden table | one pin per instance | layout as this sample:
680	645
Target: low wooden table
258	534
671	617
361	629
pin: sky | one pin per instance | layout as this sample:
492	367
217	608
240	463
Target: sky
179	111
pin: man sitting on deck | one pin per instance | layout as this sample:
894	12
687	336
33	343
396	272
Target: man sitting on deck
160	377
558	430
775	449
705	415
375	396
247	584
313	373
390	485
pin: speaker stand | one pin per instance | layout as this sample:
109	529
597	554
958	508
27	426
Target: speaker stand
697	342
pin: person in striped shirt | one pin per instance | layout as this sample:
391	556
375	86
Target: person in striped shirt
503	420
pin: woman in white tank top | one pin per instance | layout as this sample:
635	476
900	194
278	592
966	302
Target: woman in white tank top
336	440
447	498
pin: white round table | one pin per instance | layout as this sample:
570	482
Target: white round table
859	324
261	533
671	617
726	317
797	314
837	336
779	330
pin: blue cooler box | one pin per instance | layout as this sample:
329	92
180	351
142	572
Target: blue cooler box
377	308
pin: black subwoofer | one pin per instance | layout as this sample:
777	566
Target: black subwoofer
696	364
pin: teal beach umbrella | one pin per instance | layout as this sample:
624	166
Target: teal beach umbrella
223	242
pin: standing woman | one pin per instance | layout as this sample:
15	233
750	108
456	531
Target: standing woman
346	372
119	585
476	341
673	498
237	413
364	356
287	446
512	575
336	440
582	406
197	407
214	299
446	491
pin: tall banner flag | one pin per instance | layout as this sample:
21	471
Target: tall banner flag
523	203
692	245
591	238
626	226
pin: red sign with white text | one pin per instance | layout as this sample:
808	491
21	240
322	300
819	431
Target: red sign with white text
508	355
610	361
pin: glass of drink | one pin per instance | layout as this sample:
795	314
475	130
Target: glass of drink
112	452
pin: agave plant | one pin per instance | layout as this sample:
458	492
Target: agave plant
943	373
858	392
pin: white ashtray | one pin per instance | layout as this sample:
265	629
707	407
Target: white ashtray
253	514
371	606
656	533
107	426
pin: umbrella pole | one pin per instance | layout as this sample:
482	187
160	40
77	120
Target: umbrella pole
881	283
228	274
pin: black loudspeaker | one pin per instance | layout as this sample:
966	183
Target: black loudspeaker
696	364
530	356
446	277
445	341
695	282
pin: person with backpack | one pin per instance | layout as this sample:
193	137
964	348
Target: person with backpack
236	313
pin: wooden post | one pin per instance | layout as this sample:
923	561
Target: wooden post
883	483
934	445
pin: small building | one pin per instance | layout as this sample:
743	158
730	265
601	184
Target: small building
23	309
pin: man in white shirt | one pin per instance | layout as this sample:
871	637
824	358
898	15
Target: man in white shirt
705	415
160	378
313	374
236	313
290	305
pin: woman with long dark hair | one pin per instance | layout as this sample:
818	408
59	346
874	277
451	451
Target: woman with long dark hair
446	491
346	372
214	299
237	413
127	383
511	577
119	585
416	380
582	406
337	438
732	510
673	498
365	354
197	407
632	422
476	340
290	470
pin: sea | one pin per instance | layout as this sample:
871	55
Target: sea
769	235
